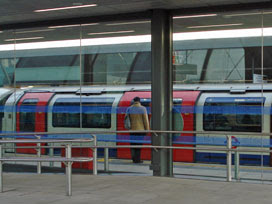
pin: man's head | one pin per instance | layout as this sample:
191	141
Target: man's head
136	99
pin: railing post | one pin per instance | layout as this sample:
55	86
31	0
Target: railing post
68	150
237	163
39	164
95	155
1	170
106	159
229	158
51	153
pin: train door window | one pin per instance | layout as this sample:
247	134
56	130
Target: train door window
177	117
144	102
233	114
2	105
27	112
96	112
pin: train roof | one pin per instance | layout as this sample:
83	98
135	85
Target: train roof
232	88
99	89
94	89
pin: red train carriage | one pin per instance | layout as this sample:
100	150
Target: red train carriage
184	101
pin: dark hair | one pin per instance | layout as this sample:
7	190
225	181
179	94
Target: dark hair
136	99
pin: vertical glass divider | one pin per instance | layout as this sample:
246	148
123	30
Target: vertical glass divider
262	92
80	78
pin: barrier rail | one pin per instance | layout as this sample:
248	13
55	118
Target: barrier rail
67	161
228	147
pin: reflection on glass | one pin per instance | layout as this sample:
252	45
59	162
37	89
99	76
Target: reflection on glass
111	57
218	49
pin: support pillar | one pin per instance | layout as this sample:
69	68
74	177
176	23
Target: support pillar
162	91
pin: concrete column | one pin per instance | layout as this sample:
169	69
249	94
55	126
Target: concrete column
162	91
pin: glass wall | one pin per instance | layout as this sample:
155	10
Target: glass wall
74	78
120	53
217	48
104	53
83	77
225	58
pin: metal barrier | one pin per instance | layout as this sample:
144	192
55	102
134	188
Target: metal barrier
67	161
228	148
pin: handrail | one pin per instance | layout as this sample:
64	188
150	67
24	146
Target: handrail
136	131
228	146
68	160
46	141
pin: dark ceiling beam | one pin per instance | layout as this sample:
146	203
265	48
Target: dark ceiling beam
224	8
138	15
80	20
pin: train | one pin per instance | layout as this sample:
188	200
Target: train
227	108
222	85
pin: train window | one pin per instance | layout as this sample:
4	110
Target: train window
27	115
144	102
233	114
96	112
147	101
177	117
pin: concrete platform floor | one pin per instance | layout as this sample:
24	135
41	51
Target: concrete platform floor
112	189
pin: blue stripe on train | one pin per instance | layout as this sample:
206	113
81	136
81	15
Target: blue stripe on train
220	158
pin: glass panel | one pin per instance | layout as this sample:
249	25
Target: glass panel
7	58
48	56
218	57
216	48
116	53
264	77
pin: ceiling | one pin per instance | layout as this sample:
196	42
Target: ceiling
21	11
18	12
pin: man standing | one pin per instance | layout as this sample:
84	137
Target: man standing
139	121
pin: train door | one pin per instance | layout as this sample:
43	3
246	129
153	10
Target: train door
183	119
126	101
31	115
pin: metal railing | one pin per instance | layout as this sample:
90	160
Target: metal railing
68	160
227	148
